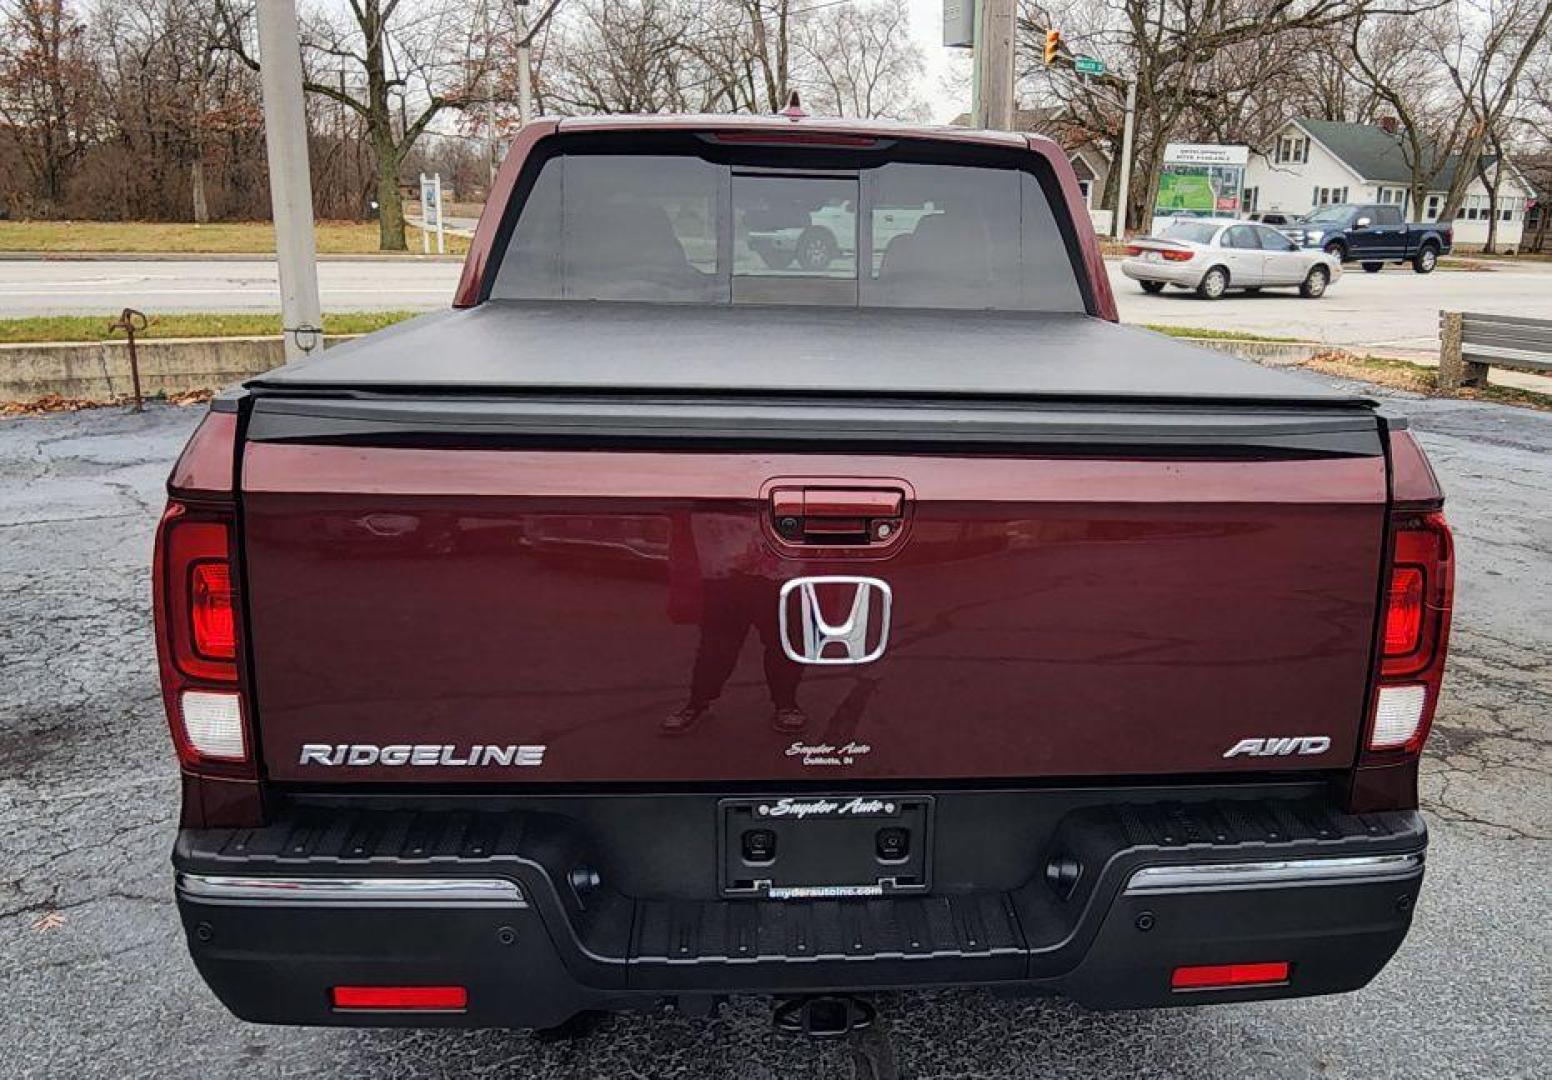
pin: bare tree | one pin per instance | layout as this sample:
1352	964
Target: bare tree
411	68
859	60
1486	58
624	56
731	56
1396	58
46	84
168	91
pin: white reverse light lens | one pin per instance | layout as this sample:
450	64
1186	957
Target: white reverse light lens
1397	714
213	724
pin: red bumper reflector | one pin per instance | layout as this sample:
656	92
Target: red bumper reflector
424	998
1222	976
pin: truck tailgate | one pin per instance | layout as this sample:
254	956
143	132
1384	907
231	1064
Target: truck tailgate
1056	612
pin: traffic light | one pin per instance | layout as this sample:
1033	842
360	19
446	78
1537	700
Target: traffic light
1053	44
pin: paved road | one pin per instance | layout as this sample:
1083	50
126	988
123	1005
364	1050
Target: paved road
1389	311
88	798
34	287
1394	309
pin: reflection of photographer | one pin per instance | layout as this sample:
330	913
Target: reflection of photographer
720	575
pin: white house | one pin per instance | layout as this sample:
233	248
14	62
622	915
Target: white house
1313	163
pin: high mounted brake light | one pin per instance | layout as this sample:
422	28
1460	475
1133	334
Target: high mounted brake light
197	634
816	139
1414	633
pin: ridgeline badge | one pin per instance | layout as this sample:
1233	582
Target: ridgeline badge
420	754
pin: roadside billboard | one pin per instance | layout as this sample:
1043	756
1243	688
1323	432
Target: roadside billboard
1202	179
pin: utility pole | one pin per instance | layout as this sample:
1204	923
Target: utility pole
993	87
1118	225
524	63
290	186
488	76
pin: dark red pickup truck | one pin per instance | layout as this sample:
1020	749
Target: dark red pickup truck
678	616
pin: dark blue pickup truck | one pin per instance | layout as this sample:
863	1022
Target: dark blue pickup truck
1373	234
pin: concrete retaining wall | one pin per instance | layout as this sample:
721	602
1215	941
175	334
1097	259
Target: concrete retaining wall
99	371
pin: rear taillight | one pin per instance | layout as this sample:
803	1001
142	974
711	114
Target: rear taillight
1414	633
1133	249
1404	611
1179	256
197	610
210	599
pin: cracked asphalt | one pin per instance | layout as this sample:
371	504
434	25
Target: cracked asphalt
95	981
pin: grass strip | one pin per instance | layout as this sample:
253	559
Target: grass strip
176	238
56	328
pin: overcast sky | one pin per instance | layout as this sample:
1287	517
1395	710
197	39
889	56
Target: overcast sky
945	101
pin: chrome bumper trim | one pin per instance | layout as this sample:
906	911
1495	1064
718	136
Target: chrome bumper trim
1335	871
341	891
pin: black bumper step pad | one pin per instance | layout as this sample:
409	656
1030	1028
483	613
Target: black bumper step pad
978	924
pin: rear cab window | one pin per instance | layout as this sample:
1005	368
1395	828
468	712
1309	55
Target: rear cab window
756	225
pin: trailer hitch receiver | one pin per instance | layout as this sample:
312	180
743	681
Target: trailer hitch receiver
824	1016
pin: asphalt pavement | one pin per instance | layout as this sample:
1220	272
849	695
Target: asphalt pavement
1395	310
95	980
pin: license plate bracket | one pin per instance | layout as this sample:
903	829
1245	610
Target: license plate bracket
825	846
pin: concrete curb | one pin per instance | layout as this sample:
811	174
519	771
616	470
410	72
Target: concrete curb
1266	352
209	256
99	370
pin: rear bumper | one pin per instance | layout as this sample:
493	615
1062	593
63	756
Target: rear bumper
1186	274
278	917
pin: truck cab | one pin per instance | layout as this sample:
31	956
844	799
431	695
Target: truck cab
1373	234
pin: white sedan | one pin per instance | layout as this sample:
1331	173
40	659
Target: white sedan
1212	257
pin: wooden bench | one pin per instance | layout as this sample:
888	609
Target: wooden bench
1470	343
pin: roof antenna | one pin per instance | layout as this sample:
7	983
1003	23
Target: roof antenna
794	109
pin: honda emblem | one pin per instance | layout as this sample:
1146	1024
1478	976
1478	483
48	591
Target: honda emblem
859	638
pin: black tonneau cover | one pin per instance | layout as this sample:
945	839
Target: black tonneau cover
623	348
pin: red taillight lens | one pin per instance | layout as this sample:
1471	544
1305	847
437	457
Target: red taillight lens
1179	256
1418	600
197	626
401	998
1224	976
215	629
1133	249
1414	633
1404	611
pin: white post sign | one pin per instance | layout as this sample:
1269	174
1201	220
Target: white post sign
431	213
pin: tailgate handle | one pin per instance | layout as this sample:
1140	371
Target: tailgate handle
837	516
